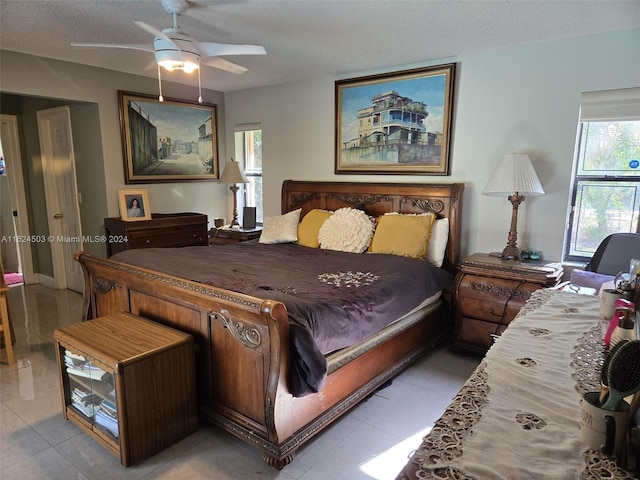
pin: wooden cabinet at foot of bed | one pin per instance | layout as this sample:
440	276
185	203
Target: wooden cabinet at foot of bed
489	293
128	383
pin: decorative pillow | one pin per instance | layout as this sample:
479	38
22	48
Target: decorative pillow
309	227
404	235
281	229
347	230
438	242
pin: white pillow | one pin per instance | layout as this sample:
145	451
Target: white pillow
281	228
347	230
438	242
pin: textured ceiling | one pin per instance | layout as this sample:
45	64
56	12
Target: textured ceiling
303	38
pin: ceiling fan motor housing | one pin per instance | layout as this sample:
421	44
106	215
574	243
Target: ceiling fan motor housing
185	52
175	6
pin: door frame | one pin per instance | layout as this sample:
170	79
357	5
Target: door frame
17	192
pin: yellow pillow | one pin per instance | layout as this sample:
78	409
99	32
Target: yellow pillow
404	235
309	227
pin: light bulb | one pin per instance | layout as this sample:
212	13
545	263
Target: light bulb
189	67
171	65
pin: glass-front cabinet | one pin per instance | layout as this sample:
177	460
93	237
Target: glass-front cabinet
91	389
128	382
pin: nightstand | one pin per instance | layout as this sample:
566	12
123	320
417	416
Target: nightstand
488	294
224	236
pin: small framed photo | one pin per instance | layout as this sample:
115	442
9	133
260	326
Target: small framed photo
134	204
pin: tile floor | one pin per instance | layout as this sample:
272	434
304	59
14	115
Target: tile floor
372	442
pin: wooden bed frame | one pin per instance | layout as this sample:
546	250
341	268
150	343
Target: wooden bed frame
242	342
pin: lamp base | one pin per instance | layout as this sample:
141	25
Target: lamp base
511	253
234	222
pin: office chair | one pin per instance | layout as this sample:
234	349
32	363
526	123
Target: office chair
614	254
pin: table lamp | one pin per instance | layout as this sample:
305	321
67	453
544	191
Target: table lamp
516	178
233	175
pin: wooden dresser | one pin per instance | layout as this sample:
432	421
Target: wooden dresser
488	294
163	230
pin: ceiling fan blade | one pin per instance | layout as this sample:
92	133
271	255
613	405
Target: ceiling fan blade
143	47
209	49
222	64
155	32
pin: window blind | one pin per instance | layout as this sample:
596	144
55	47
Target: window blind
247	127
610	105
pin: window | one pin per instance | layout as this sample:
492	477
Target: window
248	147
605	195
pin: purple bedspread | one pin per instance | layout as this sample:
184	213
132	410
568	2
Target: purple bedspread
334	299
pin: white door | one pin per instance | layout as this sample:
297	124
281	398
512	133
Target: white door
61	191
15	217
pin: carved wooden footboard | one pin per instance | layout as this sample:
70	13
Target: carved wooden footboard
242	342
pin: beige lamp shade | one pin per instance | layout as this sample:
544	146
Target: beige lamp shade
516	178
232	173
515	173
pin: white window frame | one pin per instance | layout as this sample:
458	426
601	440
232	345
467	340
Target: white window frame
246	157
621	105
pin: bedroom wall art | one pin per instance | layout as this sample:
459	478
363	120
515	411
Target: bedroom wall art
395	123
168	141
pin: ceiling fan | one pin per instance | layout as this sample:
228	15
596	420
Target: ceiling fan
175	49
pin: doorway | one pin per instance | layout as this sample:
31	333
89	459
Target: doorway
14	222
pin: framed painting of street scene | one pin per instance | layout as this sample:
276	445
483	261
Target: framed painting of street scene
396	123
168	141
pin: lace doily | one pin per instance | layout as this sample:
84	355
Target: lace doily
586	361
445	441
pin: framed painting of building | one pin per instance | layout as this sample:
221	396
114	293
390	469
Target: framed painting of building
395	123
168	141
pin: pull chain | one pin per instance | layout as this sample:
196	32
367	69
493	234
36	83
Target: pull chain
160	98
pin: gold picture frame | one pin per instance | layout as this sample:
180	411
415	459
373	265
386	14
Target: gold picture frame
395	123
134	204
169	141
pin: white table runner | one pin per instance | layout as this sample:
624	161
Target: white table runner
518	415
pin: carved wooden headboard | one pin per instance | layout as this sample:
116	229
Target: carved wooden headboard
443	199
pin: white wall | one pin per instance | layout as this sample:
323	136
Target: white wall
521	99
36	76
297	132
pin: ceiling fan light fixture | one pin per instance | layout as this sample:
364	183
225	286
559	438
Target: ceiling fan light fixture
171	59
178	60
171	65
